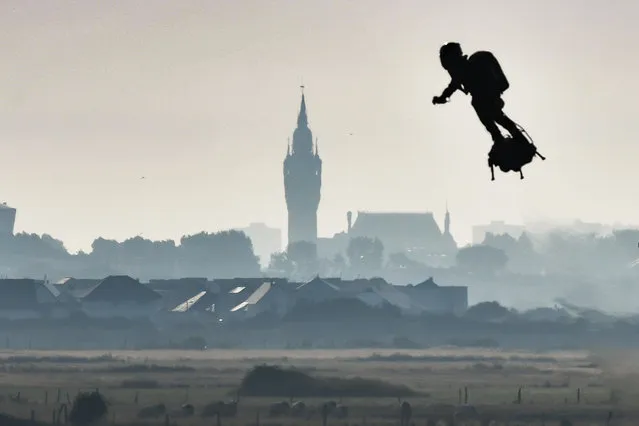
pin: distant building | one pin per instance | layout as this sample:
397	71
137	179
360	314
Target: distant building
302	182
29	299
400	231
241	299
317	290
574	227
121	296
7	219
176	291
266	240
496	228
438	299
415	234
269	297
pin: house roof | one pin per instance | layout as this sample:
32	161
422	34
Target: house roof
193	284
51	288
317	290
176	291
18	294
357	285
317	281
255	297
391	295
203	301
428	283
397	298
249	284
121	288
76	283
76	287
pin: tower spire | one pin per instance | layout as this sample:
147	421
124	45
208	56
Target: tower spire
447	220
302	118
302	181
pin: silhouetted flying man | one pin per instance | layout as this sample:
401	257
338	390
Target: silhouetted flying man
482	77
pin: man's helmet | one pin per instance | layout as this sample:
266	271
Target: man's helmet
450	53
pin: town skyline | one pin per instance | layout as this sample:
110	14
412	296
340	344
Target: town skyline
200	98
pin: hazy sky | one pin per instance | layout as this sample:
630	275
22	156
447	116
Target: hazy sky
200	97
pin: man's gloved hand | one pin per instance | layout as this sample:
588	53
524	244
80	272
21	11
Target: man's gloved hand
438	100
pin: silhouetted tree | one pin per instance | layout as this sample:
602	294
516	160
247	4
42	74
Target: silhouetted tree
592	255
88	408
504	242
165	258
481	258
365	254
402	261
339	262
521	254
524	244
575	254
105	250
487	311
280	263
136	256
226	254
35	246
626	241
137	248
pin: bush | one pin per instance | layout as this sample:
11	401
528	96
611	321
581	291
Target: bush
275	381
88	407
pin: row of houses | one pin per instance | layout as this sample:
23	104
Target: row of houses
212	300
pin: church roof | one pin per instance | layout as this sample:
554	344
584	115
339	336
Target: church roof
390	227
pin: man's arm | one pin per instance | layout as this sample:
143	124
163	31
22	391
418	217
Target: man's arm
452	88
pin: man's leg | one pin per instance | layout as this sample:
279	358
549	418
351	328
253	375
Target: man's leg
486	115
504	121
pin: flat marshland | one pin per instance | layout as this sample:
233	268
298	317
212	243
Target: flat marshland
506	387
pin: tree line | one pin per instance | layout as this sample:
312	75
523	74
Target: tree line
229	254
224	254
557	252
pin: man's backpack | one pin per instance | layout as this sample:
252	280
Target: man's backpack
488	72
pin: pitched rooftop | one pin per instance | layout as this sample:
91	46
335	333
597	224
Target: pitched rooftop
121	289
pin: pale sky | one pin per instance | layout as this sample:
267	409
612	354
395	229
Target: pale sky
200	97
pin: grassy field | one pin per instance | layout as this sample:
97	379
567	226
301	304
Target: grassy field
515	387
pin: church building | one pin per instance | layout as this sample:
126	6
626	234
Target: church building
415	234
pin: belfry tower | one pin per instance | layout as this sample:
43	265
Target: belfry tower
302	181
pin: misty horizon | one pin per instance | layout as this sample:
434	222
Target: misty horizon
201	97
